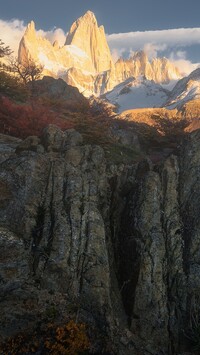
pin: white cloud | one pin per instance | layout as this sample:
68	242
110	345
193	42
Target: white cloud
11	33
182	63
56	34
152	49
170	38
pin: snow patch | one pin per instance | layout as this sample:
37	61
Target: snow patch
137	93
74	50
50	65
185	90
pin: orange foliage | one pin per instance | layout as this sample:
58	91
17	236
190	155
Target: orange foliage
68	339
22	120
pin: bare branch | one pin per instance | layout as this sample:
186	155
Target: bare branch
4	50
27	70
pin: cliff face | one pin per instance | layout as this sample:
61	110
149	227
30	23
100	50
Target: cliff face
91	39
123	241
160	70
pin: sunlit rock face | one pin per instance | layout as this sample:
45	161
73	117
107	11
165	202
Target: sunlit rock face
86	35
56	60
159	69
85	60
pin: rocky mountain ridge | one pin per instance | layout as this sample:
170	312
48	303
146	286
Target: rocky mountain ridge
85	60
186	89
137	93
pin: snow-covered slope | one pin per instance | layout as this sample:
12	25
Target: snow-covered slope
137	93
185	90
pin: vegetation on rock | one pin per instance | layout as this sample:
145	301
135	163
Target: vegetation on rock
27	119
67	339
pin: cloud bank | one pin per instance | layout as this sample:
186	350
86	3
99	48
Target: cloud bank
180	37
171	41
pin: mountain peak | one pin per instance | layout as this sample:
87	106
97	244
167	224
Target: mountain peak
83	24
89	15
30	27
30	36
88	19
90	38
85	61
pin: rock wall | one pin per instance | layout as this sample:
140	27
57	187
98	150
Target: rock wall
123	241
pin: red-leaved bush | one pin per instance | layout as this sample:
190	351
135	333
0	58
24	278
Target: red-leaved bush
22	120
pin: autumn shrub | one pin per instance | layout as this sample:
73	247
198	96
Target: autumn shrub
172	127
22	120
68	339
20	344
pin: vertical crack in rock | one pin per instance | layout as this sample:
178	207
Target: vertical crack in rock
174	245
43	232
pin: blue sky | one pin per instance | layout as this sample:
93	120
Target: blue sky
117	16
144	24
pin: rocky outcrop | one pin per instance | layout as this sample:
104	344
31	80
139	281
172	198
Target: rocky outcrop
57	90
57	221
123	240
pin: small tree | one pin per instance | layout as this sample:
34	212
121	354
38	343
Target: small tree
28	70
4	50
10	85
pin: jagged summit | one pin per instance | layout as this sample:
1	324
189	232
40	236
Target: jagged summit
89	16
30	26
30	29
28	43
85	61
88	36
87	19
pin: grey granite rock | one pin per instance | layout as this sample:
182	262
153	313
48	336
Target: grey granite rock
123	241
